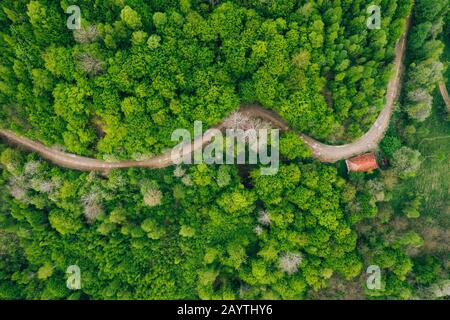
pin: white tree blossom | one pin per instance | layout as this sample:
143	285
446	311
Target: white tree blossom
152	197
258	230
18	193
187	181
420	95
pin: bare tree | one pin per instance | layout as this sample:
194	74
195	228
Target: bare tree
86	35
241	121
47	186
139	156
90	64
289	262
420	95
19	193
376	189
90	197
110	158
436	29
17	188
92	205
238	120
9	245
17	180
92	211
32	167
58	147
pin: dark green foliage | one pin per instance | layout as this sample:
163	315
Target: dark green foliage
426	270
425	48
390	144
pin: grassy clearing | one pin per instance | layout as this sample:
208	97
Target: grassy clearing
432	182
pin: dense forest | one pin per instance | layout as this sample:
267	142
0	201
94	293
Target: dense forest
409	237
136	70
177	233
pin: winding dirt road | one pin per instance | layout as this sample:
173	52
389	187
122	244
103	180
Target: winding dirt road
323	152
371	138
445	96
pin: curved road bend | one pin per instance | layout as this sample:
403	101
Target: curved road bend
323	152
444	93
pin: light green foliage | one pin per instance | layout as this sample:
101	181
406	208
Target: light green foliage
151	228
45	271
139	37
159	19
187	231
130	17
153	42
64	222
223	176
292	147
236	201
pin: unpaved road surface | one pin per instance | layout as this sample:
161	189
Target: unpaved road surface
444	93
371	138
323	152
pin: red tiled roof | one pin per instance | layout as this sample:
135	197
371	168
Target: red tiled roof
362	163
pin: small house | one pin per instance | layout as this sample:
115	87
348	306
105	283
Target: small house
363	163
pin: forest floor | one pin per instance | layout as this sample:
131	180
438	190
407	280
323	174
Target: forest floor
432	183
442	84
325	153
